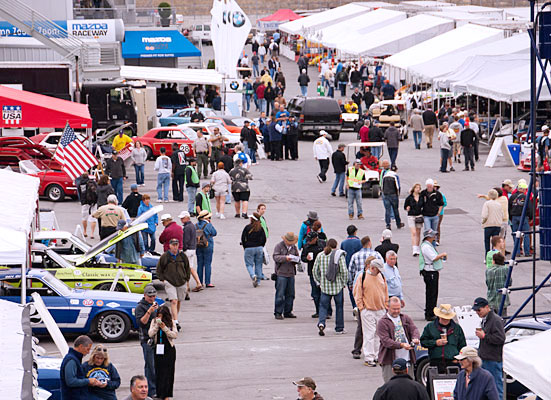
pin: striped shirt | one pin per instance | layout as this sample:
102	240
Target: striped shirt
357	263
496	276
320	270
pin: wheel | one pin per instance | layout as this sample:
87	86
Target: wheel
107	286
375	191
335	136
113	326
421	371
149	152
55	192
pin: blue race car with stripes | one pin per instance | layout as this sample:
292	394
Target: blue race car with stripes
110	314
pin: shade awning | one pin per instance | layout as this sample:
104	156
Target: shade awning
13	247
283	14
157	44
27	109
178	75
18	202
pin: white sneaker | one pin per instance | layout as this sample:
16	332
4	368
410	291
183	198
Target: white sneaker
217	215
222	216
343	332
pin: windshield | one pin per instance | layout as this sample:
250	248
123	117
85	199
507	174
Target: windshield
190	133
223	130
240	121
56	284
32	166
58	259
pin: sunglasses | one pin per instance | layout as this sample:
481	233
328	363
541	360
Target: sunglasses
101	349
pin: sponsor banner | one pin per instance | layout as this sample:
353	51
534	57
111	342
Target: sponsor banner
102	30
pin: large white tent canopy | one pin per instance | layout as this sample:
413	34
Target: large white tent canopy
442	65
18	201
461	38
398	36
13	248
179	75
350	29
527	361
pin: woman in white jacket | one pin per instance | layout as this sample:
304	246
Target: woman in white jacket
219	183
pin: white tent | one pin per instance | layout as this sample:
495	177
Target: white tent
350	29
446	64
326	18
527	361
19	200
179	75
398	36
460	17
427	4
448	43
13	250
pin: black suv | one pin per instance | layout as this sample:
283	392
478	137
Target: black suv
315	114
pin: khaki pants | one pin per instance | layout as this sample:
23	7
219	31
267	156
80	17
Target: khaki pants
429	132
370	345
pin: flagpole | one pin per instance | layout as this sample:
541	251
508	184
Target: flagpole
55	151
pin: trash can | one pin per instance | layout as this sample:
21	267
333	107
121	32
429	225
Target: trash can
514	149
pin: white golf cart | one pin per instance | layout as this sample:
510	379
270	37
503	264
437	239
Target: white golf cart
371	188
387	111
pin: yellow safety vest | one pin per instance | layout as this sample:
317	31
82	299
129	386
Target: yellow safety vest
355	178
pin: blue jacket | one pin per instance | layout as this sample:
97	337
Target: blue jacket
302	233
352	244
275	136
151	221
74	385
481	386
209	231
108	374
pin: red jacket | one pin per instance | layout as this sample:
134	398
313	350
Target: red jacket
388	346
172	231
364	134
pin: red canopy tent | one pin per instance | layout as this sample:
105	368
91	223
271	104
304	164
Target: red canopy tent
271	22
22	109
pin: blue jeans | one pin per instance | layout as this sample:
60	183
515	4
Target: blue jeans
247	102
391	210
204	263
256	72
331	92
149	241
304	90
524	228
269	106
116	184
262	103
253	261
354	194
315	292
496	369
191	193
325	303
262	58
393	154
417	137
139	174
272	72
163	181
228	195
252	154
285	295
431	222
149	368
444	155
351	294
376	151
339	181
391	203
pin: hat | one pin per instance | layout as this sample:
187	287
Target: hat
507	182
522	184
545	128
183	214
150	290
399	364
465	352
204	214
357	161
444	311
166	217
173	241
377	264
387	234
205	185
479	302
290	237
311	235
133	186
114	152
192	160
313	215
429	182
306	381
121	224
429	233
323	133
436	184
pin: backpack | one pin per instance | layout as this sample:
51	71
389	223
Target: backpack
342	77
91	192
201	237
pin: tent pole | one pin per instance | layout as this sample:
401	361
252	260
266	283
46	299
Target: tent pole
477	105
488	119
513	119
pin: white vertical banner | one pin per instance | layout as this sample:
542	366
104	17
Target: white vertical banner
229	30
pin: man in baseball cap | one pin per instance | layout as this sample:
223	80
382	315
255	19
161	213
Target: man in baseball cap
430	262
401	385
306	388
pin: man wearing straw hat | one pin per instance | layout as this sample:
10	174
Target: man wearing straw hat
286	257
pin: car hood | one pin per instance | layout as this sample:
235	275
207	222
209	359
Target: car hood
108	242
106	295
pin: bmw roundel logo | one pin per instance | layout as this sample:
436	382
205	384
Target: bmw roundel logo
238	19
234	85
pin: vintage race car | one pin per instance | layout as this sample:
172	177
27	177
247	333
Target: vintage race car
165	137
184	116
110	314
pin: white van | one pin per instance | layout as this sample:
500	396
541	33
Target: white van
201	32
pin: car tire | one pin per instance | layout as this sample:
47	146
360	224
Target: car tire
55	192
421	371
335	136
113	326
149	152
375	191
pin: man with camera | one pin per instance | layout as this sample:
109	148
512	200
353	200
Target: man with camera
146	311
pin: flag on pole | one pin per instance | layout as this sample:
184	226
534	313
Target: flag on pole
74	157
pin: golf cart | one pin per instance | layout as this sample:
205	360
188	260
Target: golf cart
387	111
371	188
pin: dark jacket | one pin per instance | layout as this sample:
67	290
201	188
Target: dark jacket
282	266
481	386
467	137
103	192
174	270
303	80
115	169
415	207
131	203
189	236
252	139
431	202
430	118
456	340
375	134
385	247
338	159
491	347
392	137
228	162
141	310
76	386
369	98
252	239
355	76
401	387
516	203
108	373
81	189
391	185
388	346
357	98
178	159
351	245
315	249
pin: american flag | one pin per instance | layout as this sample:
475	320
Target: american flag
73	156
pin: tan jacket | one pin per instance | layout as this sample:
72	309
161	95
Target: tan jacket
171	334
505	206
492	214
373	294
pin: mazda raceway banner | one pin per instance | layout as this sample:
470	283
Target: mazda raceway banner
102	30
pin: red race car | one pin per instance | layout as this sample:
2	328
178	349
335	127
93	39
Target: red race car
164	137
